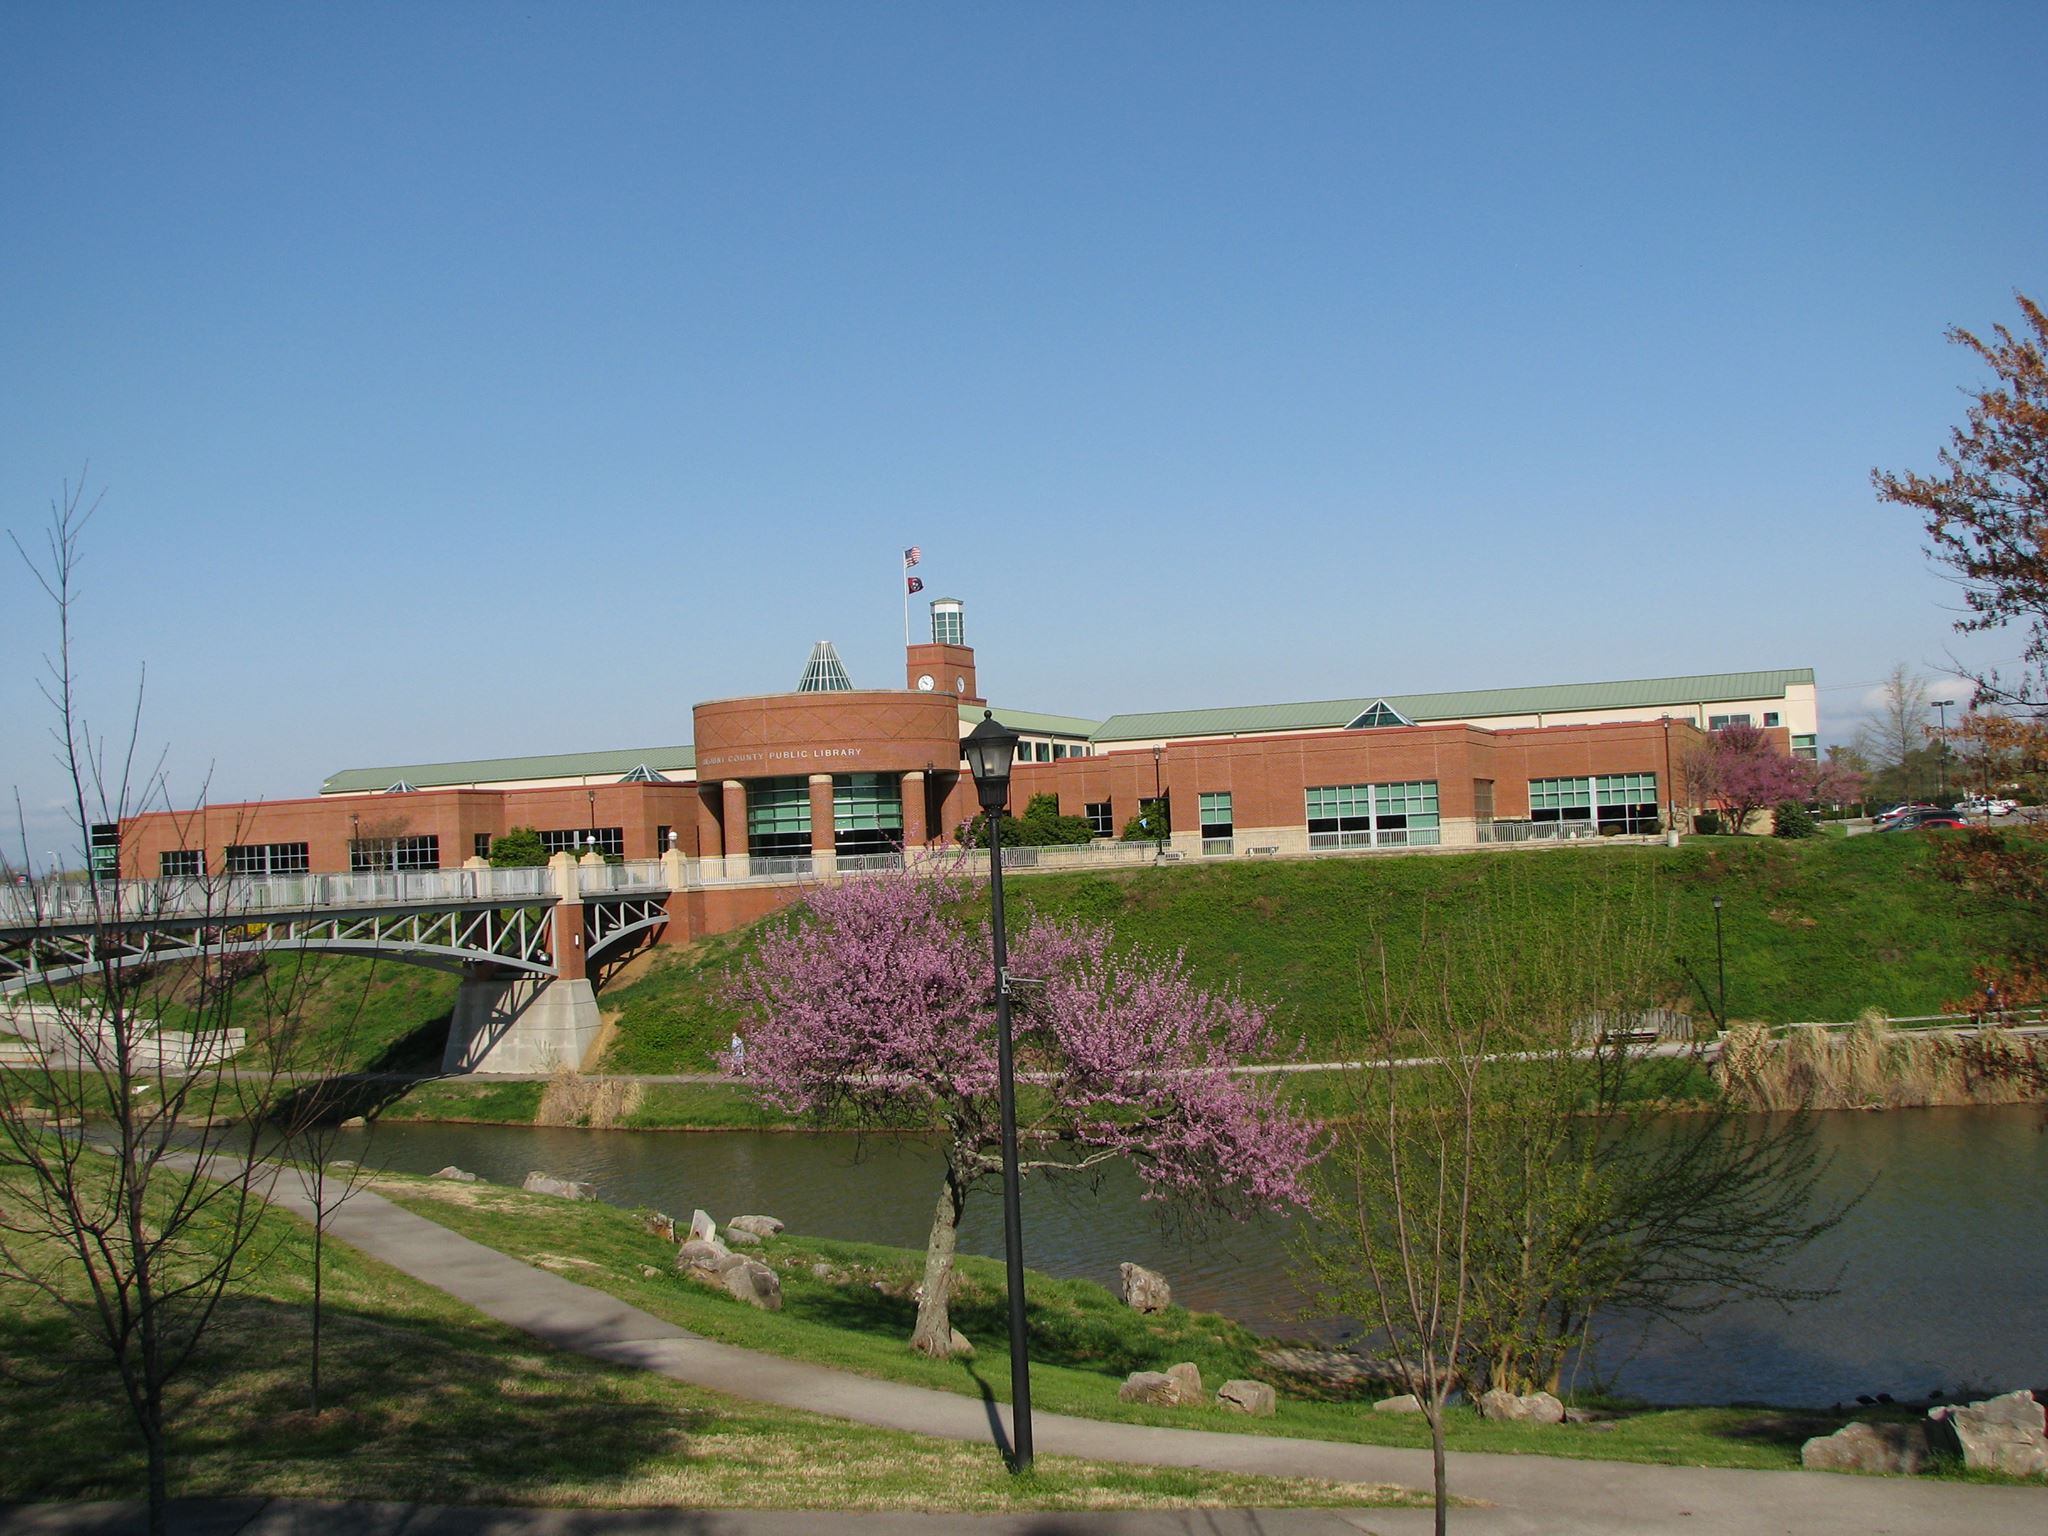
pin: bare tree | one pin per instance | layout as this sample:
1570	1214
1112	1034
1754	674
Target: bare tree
1505	1176
1896	736
1395	1200
137	1226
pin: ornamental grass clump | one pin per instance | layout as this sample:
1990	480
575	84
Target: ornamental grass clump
873	1006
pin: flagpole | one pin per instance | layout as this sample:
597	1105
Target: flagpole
903	581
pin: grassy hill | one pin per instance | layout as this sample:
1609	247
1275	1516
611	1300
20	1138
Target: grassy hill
1819	929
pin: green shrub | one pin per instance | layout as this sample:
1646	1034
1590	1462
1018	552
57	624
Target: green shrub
1791	819
521	848
1707	823
1153	823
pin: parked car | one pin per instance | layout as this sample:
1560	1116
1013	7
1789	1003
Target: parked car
1904	808
1922	819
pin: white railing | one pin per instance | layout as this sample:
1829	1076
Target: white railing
780	867
1536	831
232	896
628	875
869	863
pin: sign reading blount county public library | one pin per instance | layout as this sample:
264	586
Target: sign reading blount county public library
779	755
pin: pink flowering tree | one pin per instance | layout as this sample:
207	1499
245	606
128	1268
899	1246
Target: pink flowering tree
1740	769
874	1007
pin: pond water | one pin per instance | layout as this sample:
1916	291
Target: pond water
1940	1264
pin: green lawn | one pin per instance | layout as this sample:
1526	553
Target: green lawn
1084	1341
425	1399
1816	929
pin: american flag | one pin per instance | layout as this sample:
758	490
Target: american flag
910	557
914	583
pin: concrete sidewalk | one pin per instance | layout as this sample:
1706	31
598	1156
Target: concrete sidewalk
311	1517
1527	1494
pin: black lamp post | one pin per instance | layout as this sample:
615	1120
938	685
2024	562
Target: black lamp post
989	749
1941	747
1157	795
1720	963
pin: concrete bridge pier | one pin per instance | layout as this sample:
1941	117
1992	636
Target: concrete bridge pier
521	1024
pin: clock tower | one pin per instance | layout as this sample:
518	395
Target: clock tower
946	665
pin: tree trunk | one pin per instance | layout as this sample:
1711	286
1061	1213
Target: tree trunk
319	1230
1436	1454
159	1468
934	1332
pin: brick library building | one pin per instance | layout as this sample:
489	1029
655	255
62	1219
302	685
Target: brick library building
779	789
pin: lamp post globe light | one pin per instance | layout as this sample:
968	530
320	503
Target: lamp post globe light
1720	965
990	748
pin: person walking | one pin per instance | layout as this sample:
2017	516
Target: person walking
736	1048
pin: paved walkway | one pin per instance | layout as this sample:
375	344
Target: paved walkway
1526	1494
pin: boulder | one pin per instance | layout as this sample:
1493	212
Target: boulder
760	1226
754	1283
699	1254
740	1237
957	1345
1407	1402
1252	1397
823	1271
1143	1289
1507	1407
1187	1382
459	1175
352	1123
1894	1448
567	1189
702	1226
1999	1434
661	1226
1149	1387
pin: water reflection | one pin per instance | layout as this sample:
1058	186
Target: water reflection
1939	1264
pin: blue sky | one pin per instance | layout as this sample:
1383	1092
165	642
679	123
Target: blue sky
467	381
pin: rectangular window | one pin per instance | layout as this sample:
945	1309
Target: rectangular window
611	841
1217	825
1404	815
1626	802
1482	800
267	859
779	818
1770	718
867	813
106	850
1101	819
179	864
1807	747
1560	799
483	845
388	855
1721	722
1373	815
662	834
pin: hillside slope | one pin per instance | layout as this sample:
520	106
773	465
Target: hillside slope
1812	930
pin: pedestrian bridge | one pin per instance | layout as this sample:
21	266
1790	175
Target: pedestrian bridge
523	940
546	922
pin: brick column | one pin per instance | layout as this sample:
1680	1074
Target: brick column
824	853
710	836
735	829
915	834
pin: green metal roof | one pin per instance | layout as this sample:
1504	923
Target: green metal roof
1554	698
1037	725
602	766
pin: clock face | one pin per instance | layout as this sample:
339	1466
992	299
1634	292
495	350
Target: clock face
924	683
959	685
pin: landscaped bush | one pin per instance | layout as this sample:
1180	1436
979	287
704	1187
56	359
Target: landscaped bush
1708	824
1791	819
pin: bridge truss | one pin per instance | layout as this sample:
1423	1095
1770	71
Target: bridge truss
516	936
